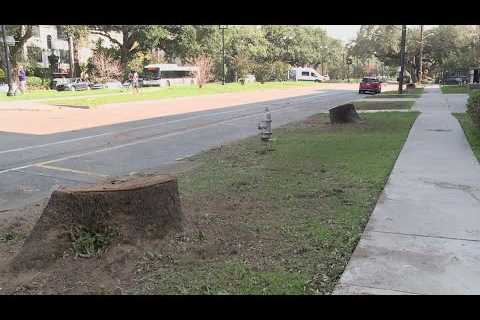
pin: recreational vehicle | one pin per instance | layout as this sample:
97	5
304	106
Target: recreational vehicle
305	74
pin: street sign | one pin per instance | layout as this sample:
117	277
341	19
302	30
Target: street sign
222	27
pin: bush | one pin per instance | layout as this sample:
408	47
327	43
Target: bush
263	72
36	83
280	71
2	75
473	107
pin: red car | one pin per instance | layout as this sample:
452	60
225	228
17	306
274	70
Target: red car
370	84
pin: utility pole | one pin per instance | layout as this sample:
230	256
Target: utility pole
402	59
420	72
7	63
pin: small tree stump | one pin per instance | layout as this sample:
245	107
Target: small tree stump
140	208
343	114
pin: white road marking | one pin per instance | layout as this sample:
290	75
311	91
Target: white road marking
133	129
72	170
120	146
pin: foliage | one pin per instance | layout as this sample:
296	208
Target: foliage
280	71
241	65
36	83
88	243
104	67
263	72
2	75
204	73
473	107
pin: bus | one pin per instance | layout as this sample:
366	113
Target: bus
166	75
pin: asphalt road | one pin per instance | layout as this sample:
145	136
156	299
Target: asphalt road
32	166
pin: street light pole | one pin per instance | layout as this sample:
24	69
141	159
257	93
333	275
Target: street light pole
402	59
7	63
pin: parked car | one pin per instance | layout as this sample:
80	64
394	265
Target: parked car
108	84
75	84
370	84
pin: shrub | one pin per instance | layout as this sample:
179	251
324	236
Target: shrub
36	83
2	75
204	73
104	67
280	71
263	72
473	107
241	66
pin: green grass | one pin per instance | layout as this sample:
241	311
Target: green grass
411	93
455	89
178	91
49	94
382	105
471	132
278	221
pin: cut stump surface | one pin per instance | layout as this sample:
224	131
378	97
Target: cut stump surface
344	113
139	208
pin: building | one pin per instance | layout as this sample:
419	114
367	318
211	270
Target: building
48	39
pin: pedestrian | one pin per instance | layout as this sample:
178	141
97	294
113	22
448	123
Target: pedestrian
22	78
135	82
130	79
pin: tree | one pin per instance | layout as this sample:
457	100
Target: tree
78	34
241	65
105	67
133	39
204	72
21	34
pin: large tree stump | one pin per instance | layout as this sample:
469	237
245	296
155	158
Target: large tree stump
140	208
343	114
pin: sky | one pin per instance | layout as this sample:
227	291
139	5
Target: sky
349	32
342	32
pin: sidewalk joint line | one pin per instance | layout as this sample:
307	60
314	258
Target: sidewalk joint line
370	287
424	236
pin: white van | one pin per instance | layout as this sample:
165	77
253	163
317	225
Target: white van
305	74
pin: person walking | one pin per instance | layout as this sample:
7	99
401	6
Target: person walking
135	82
22	78
130	80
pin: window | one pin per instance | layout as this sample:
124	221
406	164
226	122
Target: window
305	73
36	31
49	42
313	74
64	56
175	74
35	54
61	34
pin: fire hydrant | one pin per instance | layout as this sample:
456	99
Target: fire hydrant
266	126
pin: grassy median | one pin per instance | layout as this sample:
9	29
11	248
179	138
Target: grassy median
471	132
177	91
383	105
411	93
455	89
278	220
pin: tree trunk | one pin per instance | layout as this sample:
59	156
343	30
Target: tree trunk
138	209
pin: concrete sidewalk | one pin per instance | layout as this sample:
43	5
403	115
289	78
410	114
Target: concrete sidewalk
424	235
